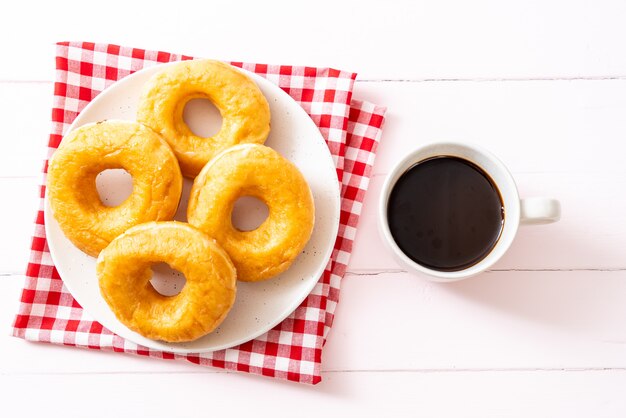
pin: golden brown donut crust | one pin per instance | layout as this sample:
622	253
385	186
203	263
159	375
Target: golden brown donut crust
245	111
93	148
124	274
258	171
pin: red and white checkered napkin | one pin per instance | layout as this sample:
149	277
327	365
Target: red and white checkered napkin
293	349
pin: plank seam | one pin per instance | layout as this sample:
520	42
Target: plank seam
337	371
424	80
491	79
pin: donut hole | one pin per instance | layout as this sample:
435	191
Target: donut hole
114	186
166	280
202	117
249	213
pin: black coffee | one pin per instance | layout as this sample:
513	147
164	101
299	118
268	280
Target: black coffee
445	213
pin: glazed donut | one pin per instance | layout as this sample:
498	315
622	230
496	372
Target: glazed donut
257	171
90	149
123	270
245	111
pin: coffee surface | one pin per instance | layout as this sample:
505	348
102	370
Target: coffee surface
445	213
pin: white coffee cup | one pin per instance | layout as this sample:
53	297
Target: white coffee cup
530	211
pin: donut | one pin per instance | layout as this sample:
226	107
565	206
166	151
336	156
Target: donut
93	148
245	111
257	171
123	271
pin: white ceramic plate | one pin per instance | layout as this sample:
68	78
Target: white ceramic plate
259	306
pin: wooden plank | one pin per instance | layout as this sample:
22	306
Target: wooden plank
533	126
394	321
503	320
411	39
368	394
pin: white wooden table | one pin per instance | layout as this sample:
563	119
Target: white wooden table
542	84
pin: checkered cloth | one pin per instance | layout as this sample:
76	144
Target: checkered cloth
293	349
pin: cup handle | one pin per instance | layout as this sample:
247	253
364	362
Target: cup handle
539	211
